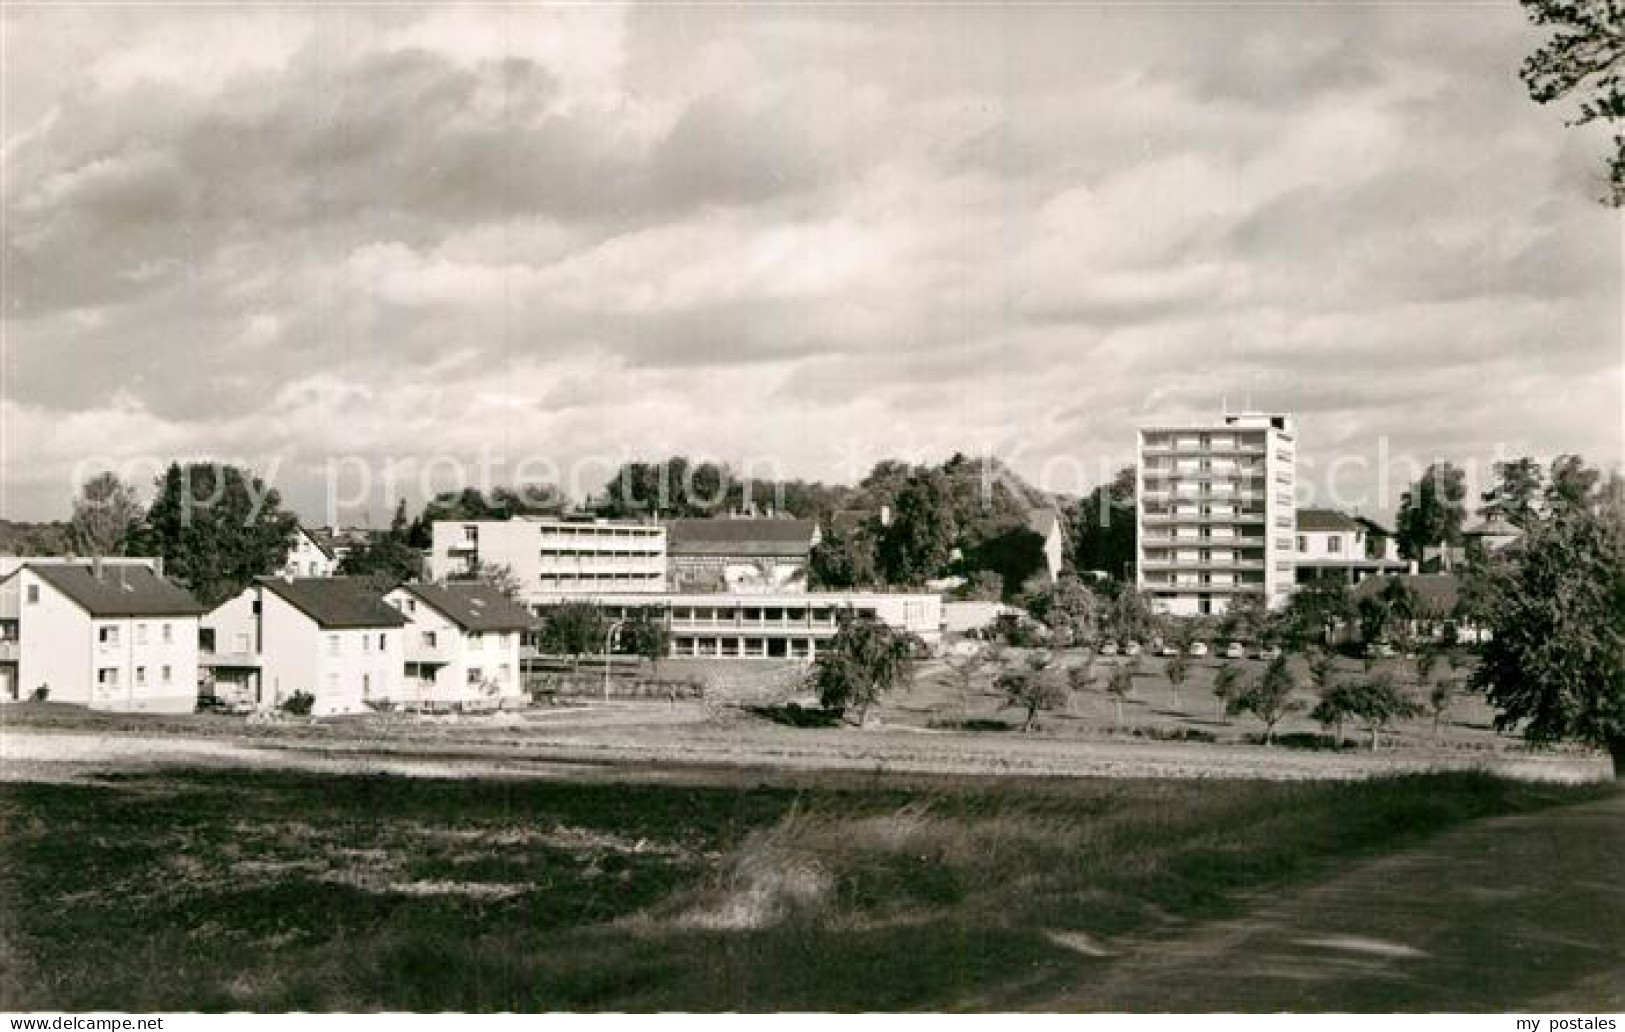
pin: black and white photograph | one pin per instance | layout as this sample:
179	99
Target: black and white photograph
799	508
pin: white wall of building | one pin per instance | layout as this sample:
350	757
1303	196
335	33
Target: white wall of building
552	557
1216	512
138	664
451	665
306	559
342	668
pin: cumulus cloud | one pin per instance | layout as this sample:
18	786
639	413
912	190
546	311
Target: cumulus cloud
806	237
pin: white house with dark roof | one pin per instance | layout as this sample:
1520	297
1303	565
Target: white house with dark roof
740	555
311	555
1333	544
333	637
104	635
462	646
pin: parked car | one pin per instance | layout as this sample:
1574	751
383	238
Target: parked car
1235	650
1198	648
1131	649
1380	648
1167	649
1108	648
1268	652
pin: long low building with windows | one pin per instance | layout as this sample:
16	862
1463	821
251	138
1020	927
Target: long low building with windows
788	625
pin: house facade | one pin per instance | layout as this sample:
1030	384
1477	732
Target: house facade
107	636
1331	544
462	647
311	555
1215	512
739	555
333	637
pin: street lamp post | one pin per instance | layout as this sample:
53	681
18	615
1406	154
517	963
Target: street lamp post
609	642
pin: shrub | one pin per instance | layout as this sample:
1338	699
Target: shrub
41	693
299	704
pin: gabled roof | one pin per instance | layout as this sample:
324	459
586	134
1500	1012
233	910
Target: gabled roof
335	603
1437	592
1373	527
1495	526
118	590
1326	520
473	606
744	536
321	539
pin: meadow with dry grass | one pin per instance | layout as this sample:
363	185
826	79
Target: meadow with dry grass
230	889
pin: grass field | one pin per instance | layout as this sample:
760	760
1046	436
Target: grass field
182	890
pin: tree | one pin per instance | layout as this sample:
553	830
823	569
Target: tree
1177	669
1033	687
1376	701
1130	616
1226	684
1516	493
1571	486
1427	658
1013	551
965	672
387	559
648	638
217	527
104	516
982	586
500	578
1555	661
573	629
864	660
1081	677
1101	528
1067	607
1439	701
1315	611
844	559
1584	58
1120	686
1432	512
921	537
466	504
1269	698
1244	619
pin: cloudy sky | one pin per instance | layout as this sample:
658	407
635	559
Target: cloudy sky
797	237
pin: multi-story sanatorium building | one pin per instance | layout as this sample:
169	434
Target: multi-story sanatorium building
1215	512
553	557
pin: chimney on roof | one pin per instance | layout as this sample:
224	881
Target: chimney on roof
96	567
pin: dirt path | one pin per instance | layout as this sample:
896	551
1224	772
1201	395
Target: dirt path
565	748
1522	913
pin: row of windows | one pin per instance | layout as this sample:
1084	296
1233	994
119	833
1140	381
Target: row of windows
1334	542
475	640
107	678
766	648
108	634
335	643
584	580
